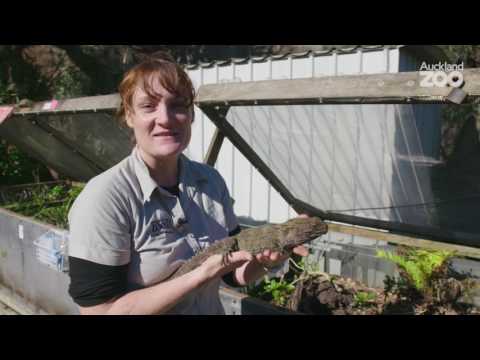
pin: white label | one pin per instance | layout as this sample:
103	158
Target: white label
20	231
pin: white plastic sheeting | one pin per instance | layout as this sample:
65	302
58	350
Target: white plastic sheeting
352	147
361	160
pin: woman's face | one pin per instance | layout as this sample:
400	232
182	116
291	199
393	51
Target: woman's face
162	125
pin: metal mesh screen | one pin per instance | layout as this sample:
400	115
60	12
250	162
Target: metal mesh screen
370	161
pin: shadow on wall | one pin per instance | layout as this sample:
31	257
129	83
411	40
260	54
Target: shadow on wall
415	154
456	185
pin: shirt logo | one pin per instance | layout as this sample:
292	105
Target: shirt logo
162	226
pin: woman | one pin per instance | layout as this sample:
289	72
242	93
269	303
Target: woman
136	223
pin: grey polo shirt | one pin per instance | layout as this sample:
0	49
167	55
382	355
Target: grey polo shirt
123	217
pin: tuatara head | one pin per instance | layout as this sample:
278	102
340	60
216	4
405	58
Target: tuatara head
302	230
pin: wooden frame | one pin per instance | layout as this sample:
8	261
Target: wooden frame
398	239
215	100
399	88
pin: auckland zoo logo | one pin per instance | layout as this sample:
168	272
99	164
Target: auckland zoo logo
441	75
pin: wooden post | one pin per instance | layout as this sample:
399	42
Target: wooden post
214	148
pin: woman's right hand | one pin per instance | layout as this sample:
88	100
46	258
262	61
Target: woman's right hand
217	266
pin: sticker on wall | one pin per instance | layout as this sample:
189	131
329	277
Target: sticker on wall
51	249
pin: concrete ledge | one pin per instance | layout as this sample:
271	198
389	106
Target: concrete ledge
19	304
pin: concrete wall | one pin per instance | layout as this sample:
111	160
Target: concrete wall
47	289
21	271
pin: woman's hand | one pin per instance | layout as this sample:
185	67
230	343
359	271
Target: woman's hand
217	265
272	259
247	264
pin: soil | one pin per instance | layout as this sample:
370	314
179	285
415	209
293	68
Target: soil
334	295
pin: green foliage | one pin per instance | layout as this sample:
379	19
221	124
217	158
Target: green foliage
69	84
8	93
363	298
278	290
58	214
55	193
454	116
18	168
460	52
26	82
49	205
308	268
417	267
274	290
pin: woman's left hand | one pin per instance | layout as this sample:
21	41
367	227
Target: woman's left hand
272	259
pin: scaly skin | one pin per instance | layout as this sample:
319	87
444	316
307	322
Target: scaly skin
278	237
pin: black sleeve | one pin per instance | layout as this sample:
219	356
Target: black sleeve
94	284
229	278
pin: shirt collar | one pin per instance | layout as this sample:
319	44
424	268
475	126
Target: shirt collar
190	177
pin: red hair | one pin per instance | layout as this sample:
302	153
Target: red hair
158	67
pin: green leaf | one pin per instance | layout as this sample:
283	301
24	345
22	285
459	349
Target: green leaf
418	264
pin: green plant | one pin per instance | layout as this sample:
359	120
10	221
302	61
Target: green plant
50	205
306	267
18	168
58	215
56	192
69	83
279	290
417	267
8	93
276	290
363	298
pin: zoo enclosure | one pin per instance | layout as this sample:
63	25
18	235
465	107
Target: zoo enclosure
78	122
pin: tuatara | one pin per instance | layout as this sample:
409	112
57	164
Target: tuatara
278	237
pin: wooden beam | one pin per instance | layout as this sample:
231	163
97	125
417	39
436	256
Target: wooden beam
31	138
217	116
399	88
108	103
216	142
45	126
397	239
214	148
